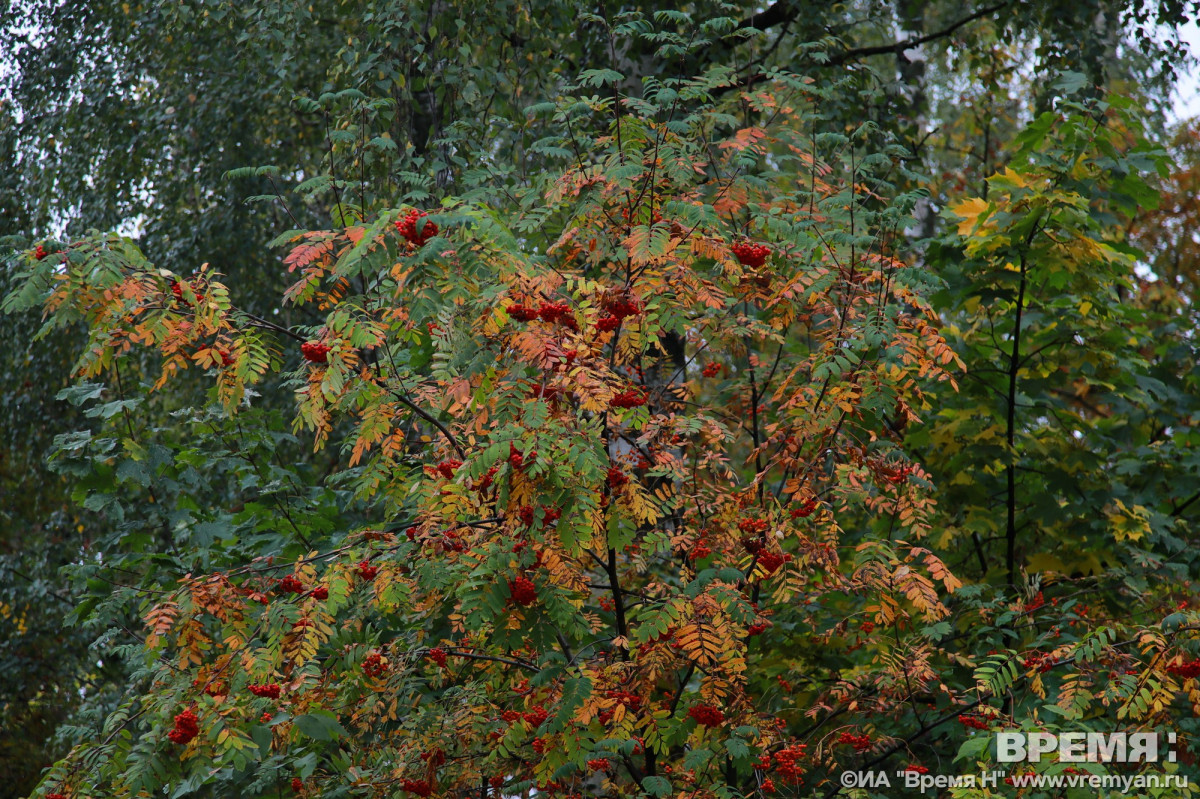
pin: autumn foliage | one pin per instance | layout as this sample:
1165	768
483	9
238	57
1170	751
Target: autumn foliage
639	510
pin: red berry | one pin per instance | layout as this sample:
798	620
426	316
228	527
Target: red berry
437	655
408	228
706	715
266	690
616	478
374	665
522	591
711	369
320	592
599	764
522	313
186	727
631	398
752	255
418	787
297	784
367	571
315	351
290	585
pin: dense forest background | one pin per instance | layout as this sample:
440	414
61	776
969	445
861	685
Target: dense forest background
998	525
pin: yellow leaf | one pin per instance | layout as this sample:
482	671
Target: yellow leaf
969	210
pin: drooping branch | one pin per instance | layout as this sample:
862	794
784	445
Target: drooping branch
906	44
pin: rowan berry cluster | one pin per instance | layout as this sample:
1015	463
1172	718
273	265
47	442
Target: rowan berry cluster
297	784
861	743
374	666
917	768
559	312
616	478
187	727
1041	661
1187	669
522	313
706	715
266	690
320	592
711	369
367	571
786	762
315	352
416	787
437	655
522	591
599	764
805	508
408	228
750	254
447	468
974	722
771	561
630	398
290	585
758	628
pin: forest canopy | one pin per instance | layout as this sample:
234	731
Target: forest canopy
500	399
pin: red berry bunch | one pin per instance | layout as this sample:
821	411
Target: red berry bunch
374	666
768	785
290	585
320	592
771	561
538	745
706	715
417	787
315	352
621	309
752	255
975	722
785	762
186	727
607	323
297	784
367	571
867	627
861	743
516	459
599	764
55	795
437	655
485	482
265	717
496	782
805	508
1035	603
226	358
266	690
522	591
536	717
525	514
711	369
447	468
554	311
303	624
408	228
1042	662
522	313
632	398
39	254
758	628
1187	669
753	526
616	478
